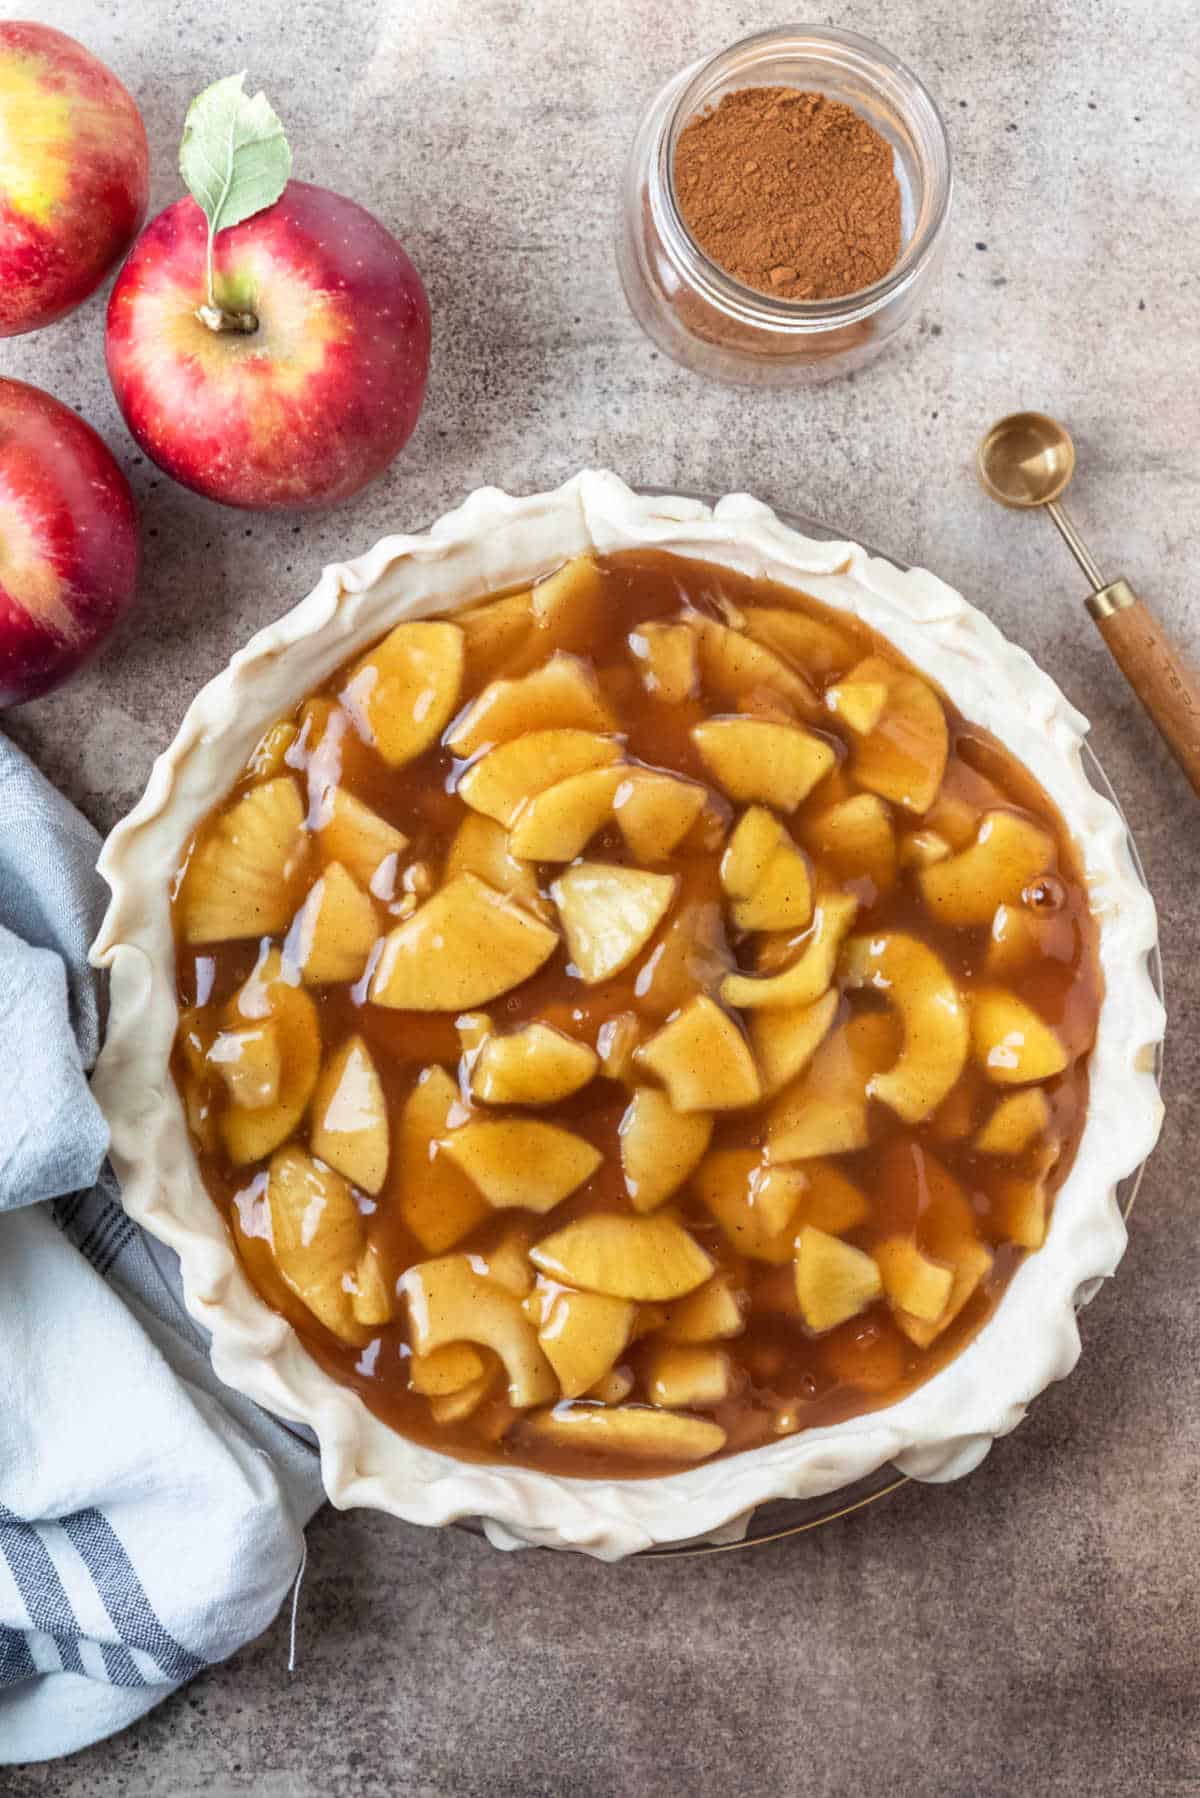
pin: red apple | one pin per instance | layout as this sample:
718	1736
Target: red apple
68	542
315	399
74	174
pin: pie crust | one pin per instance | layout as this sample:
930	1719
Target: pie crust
494	541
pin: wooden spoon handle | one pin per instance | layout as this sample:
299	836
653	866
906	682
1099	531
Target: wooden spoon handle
1168	689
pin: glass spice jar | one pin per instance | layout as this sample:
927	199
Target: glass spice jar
704	317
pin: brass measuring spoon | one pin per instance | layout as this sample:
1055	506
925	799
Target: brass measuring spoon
1027	460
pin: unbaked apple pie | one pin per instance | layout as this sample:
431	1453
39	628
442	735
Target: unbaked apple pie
632	1019
627	1016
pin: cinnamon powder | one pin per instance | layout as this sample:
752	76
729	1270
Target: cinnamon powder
791	193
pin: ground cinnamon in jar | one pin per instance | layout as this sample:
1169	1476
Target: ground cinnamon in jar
791	193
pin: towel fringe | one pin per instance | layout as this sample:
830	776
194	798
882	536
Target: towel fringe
296	1584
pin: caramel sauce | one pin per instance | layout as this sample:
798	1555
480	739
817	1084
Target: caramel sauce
780	1370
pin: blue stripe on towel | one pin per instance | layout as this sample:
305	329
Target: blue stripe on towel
16	1662
100	1549
42	1592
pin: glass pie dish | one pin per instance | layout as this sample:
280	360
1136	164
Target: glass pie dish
497	545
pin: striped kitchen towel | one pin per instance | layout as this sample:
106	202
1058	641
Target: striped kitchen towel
151	1521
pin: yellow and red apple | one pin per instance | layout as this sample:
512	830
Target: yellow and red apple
68	542
310	402
74	174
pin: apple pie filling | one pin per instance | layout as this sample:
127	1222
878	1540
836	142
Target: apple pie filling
632	1020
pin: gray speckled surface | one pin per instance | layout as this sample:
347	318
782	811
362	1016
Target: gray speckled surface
1032	1628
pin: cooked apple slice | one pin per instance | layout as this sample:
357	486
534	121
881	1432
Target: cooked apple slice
535	1065
483	848
936	1033
200	1110
1022	933
318	1240
250	1062
825	1112
567	604
245	875
562	694
648	1258
447	1369
733	665
913	1282
1019	1212
613	1388
654	812
858	704
521	1163
660	1147
449	1302
783	898
582	1334
366	845
1008	853
925	1199
1015	938
973	1264
466	945
703	1060
784	1040
404	693
454	1407
829	1201
690	957
507	1261
371	1295
250	1134
855	839
873	1359
316	715
1011	1043
822	650
494	635
1015	1123
616	1043
679	1375
904	758
609	913
558	824
834	1281
955	816
923	849
350	1126
810	975
755	758
334	931
668	660
754	1204
507	777
710	1314
765	875
636	1432
437	1202
755	839
268	757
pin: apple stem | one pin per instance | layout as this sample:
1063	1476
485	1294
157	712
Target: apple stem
216	317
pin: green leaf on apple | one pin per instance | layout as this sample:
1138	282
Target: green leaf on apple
235	160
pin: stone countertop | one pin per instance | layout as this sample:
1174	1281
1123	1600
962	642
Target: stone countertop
1031	1628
